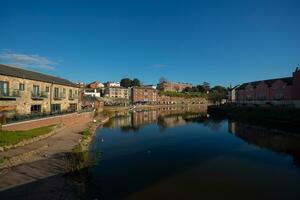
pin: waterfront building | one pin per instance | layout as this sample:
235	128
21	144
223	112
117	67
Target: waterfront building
117	92
26	92
173	87
144	94
280	91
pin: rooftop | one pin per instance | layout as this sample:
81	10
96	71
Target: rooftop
7	70
269	82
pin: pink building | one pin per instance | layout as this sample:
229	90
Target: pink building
275	91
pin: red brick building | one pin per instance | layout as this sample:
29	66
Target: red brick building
174	87
275	91
144	95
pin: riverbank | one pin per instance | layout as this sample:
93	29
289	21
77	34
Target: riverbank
274	115
44	162
145	107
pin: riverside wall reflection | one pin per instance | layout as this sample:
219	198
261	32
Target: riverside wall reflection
163	116
272	139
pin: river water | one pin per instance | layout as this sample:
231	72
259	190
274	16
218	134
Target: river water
183	153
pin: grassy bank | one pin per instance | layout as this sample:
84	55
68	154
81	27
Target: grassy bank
14	137
271	114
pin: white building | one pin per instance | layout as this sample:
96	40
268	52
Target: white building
113	84
92	92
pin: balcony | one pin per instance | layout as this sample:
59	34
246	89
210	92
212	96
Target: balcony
10	95
39	96
73	97
59	96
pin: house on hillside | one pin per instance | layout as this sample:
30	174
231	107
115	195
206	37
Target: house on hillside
173	87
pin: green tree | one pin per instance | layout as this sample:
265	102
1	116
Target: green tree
135	82
162	80
201	88
218	93
126	82
206	86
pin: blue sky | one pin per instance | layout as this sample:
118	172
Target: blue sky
220	42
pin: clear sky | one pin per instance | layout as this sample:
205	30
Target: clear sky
187	41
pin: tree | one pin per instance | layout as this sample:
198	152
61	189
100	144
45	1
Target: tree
135	82
162	80
218	93
206	86
126	82
201	88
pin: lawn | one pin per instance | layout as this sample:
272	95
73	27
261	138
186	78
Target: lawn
14	137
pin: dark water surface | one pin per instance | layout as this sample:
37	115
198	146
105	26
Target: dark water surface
183	154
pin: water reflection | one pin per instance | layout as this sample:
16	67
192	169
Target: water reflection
272	139
182	153
165	117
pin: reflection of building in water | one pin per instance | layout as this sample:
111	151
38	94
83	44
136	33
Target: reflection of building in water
163	111
279	141
231	127
120	121
144	117
167	116
172	121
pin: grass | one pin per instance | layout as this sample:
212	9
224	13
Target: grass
79	158
86	134
14	137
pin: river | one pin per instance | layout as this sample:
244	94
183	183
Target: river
180	153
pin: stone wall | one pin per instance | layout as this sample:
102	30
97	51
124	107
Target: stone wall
65	119
166	100
23	103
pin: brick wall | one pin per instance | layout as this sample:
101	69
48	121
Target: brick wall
141	94
65	119
296	85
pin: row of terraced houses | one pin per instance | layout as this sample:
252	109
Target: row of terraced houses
24	92
280	91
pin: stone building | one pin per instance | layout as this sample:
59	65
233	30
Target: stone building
26	92
173	87
117	92
144	95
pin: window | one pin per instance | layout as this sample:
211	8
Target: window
56	93
70	94
35	108
36	90
47	89
73	107
21	86
64	91
4	88
55	108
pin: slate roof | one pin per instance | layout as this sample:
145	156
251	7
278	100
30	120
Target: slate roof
7	70
287	80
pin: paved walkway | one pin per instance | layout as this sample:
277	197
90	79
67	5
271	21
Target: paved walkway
45	166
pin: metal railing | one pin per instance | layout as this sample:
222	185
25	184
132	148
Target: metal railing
59	96
39	96
10	94
73	97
